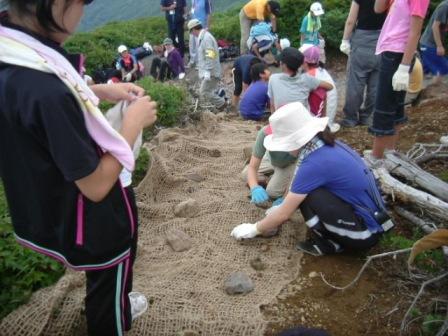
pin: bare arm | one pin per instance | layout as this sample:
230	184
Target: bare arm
274	23
272	105
438	38
414	36
350	23
326	85
281	214
381	6
252	171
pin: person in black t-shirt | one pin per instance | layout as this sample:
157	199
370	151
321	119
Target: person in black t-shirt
361	33
175	11
62	188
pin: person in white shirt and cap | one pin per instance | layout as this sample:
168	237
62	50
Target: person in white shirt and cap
311	24
335	191
209	66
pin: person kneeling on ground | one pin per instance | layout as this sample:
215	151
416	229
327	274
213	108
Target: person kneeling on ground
128	65
334	189
241	76
168	64
256	100
292	86
324	102
261	39
277	166
208	65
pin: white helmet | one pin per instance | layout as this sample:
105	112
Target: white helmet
284	43
122	48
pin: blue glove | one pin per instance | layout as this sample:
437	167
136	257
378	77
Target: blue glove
278	201
259	195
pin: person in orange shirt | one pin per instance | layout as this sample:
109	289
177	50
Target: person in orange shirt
256	10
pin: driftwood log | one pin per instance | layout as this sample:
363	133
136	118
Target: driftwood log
399	165
433	206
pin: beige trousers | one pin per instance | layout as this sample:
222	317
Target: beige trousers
280	177
245	25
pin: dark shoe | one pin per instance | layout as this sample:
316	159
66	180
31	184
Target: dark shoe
364	120
347	123
310	247
221	92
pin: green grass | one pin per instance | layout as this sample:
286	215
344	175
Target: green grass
431	261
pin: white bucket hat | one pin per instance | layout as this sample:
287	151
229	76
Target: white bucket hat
317	9
292	128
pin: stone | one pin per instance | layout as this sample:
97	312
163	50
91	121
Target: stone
178	240
187	209
313	275
257	264
195	177
238	283
215	153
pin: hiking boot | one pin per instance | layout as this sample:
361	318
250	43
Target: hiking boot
221	92
139	304
310	247
347	123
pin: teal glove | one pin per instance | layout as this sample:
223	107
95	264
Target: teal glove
278	201
259	195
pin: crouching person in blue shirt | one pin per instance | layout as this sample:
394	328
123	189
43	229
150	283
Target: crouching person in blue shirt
332	186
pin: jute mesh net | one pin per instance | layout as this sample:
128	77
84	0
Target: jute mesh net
186	288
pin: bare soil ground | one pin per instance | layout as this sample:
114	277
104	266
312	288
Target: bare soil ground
378	302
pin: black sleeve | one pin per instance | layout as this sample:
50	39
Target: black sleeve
55	117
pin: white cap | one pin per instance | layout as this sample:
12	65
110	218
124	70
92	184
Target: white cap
147	46
193	23
284	43
122	48
316	9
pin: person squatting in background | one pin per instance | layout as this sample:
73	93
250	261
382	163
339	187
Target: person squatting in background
202	11
255	102
209	66
291	85
168	64
128	65
311	24
341	205
396	45
273	168
175	12
257	11
241	76
73	159
261	39
361	33
432	50
321	101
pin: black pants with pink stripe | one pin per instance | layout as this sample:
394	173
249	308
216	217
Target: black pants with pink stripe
108	309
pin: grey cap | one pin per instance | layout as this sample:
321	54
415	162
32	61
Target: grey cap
167	41
193	23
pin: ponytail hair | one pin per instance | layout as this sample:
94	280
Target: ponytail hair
327	137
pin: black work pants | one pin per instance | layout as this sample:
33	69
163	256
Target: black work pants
160	69
108	309
335	220
176	33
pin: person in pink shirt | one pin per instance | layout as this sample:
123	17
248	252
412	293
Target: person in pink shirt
396	45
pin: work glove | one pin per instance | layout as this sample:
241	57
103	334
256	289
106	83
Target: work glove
245	231
278	201
259	195
400	80
345	47
128	77
182	75
207	75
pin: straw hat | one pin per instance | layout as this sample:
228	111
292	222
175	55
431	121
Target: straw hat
292	128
